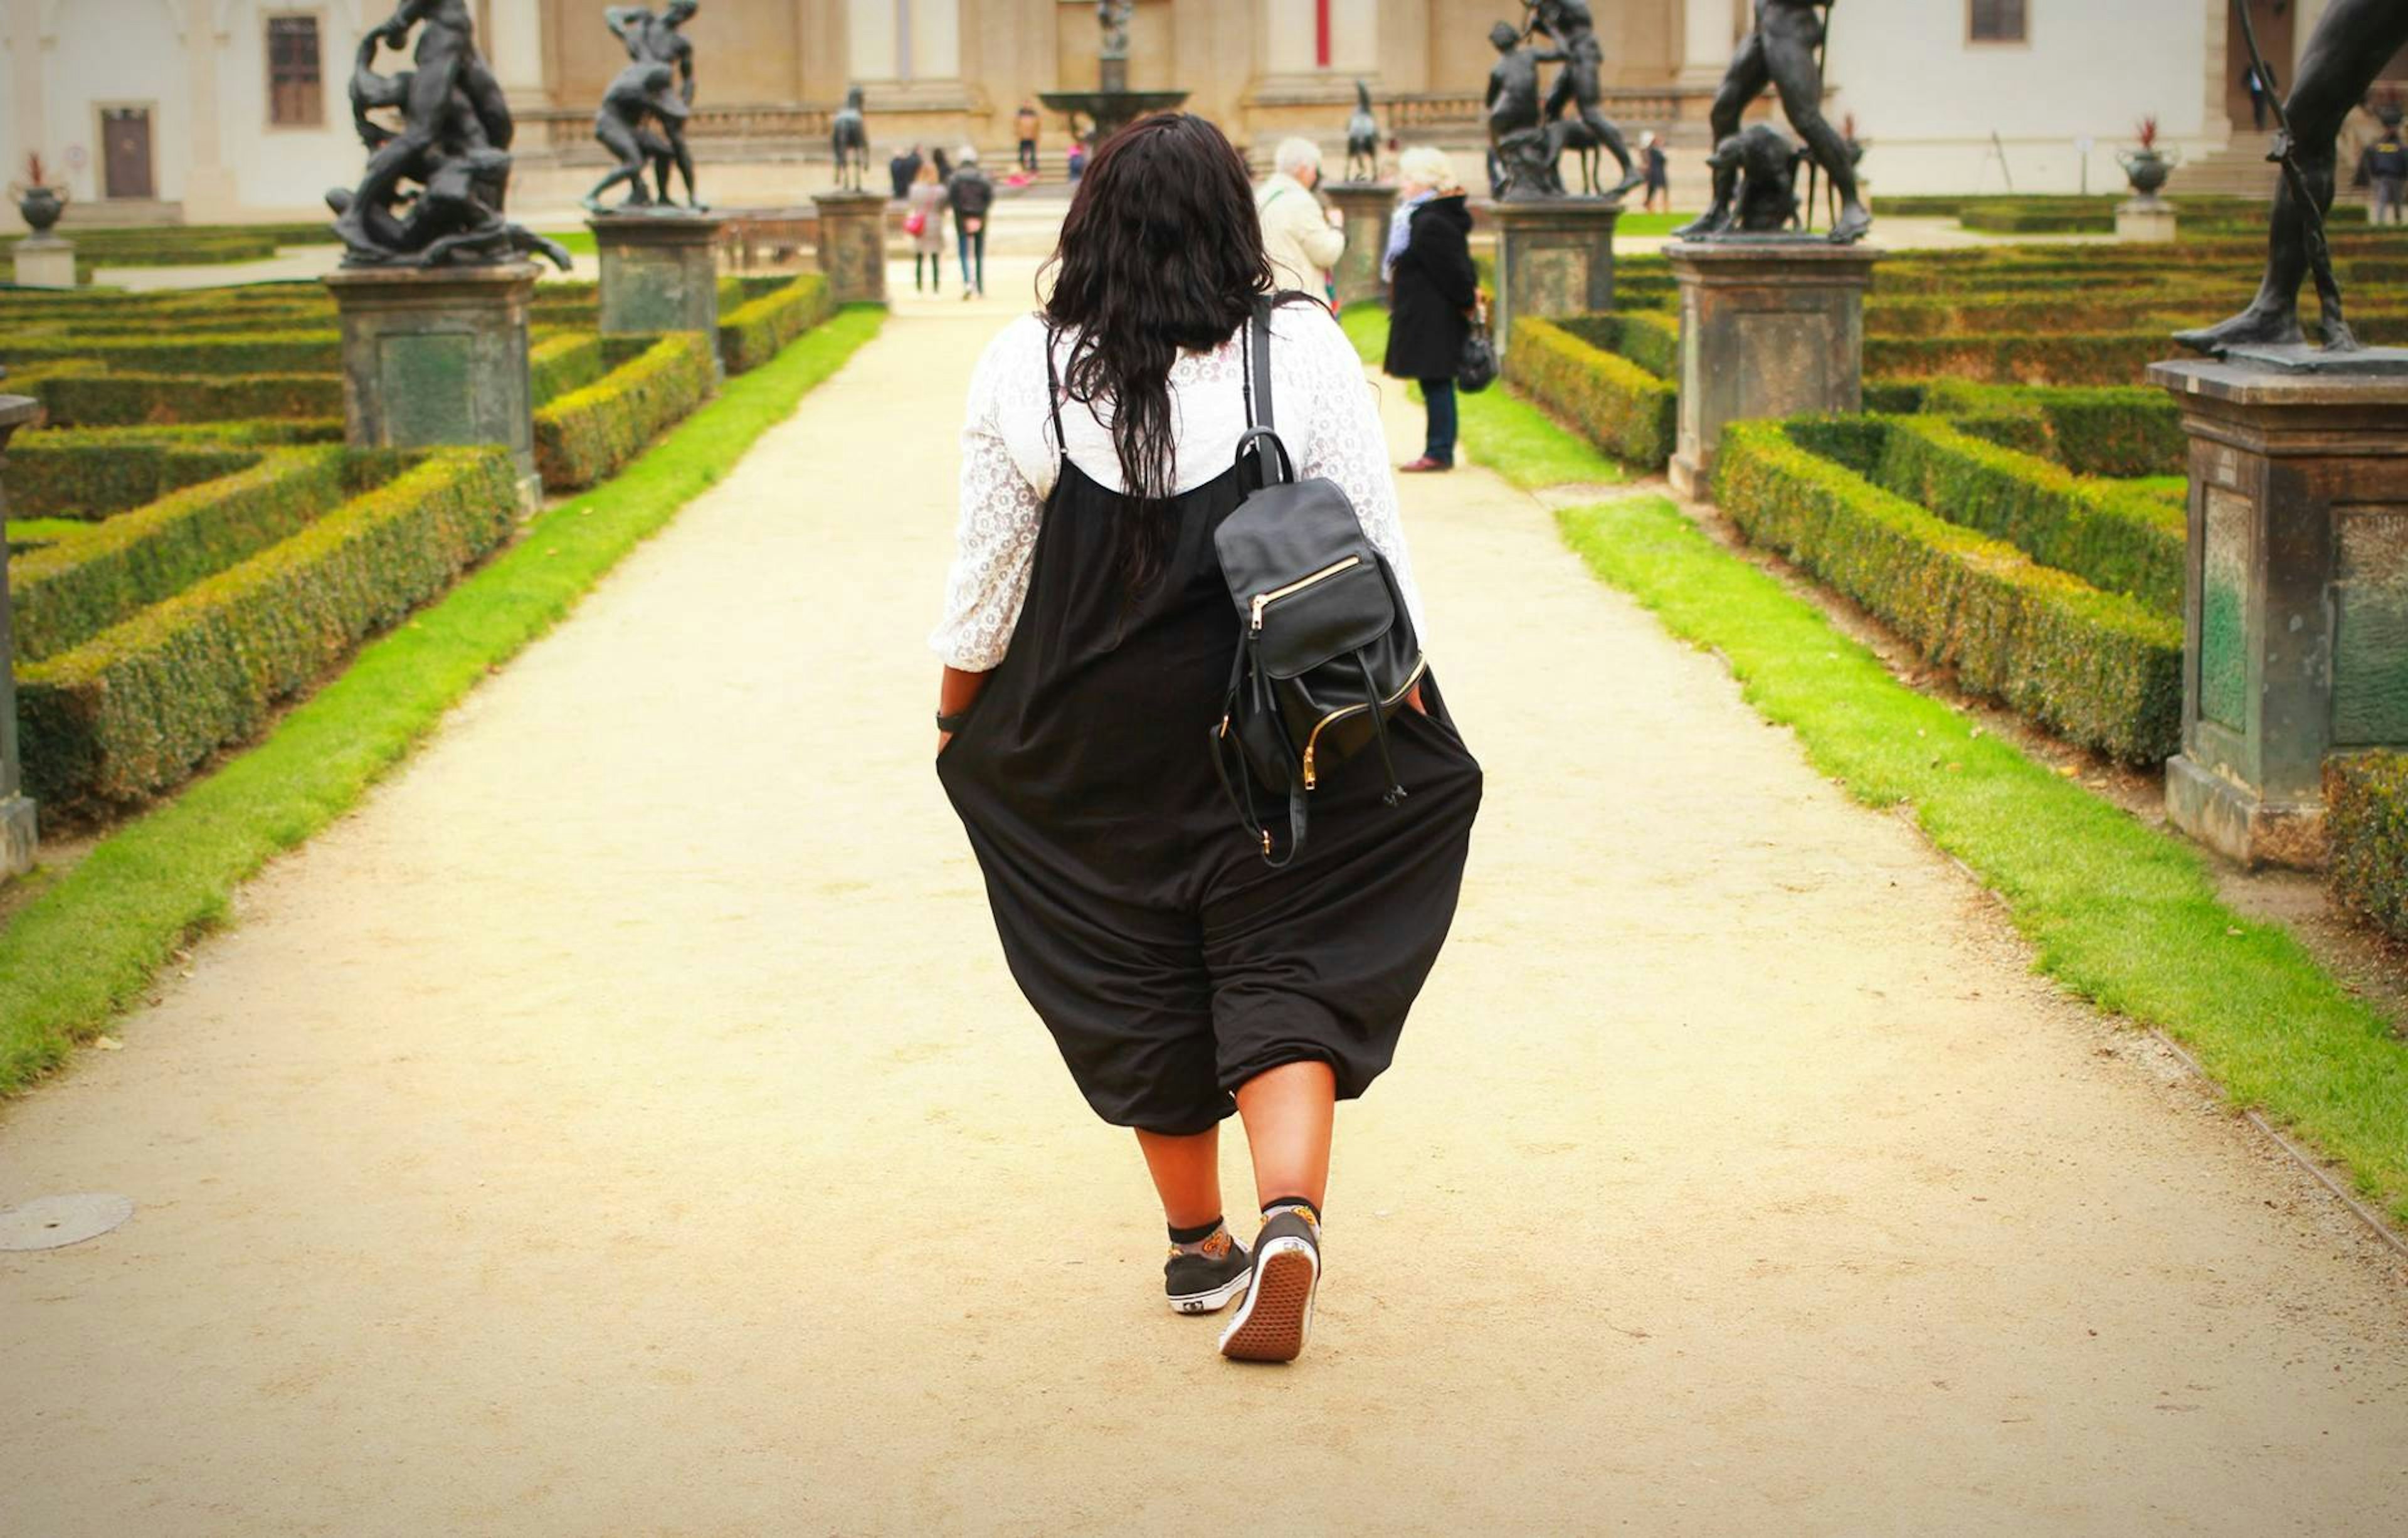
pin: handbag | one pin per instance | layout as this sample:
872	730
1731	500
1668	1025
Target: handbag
916	222
1326	652
1477	370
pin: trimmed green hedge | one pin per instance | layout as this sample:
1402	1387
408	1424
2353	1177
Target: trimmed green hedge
759	329
1612	401
2098	668
80	475
132	712
558	364
2366	823
1650	338
92	396
586	435
215	353
70	592
2118	538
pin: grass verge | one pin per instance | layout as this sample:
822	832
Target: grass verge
89	944
1503	432
2119	913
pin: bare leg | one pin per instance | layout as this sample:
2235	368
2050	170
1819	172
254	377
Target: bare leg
1746	81
1290	1113
1789	56
1186	1170
2348	49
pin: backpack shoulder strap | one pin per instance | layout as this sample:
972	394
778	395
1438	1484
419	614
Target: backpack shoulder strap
1258	364
1261	443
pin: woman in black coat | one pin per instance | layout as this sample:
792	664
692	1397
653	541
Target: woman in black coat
1433	288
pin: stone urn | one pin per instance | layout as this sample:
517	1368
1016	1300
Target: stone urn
2147	171
41	206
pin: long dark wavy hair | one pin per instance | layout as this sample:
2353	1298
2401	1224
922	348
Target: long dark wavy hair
1162	252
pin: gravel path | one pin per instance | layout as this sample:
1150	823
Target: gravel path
624	1124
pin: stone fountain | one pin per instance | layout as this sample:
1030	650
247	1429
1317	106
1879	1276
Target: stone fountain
1112	106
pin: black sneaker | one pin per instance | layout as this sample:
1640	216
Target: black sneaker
1203	1283
1277	1316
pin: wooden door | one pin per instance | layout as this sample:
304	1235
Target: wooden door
125	152
2273	19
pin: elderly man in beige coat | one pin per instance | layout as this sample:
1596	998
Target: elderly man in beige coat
1303	239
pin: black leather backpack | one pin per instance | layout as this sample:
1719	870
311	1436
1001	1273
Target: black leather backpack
1326	650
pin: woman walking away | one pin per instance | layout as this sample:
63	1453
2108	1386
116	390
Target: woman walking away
1433	288
927	202
1089	641
972	196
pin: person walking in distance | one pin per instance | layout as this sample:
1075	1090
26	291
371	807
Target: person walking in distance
1302	238
972	197
1025	124
2382	167
1660	175
927	202
1088	641
1433	287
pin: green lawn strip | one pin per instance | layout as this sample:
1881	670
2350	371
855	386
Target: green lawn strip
576	242
2119	913
89	944
1504	432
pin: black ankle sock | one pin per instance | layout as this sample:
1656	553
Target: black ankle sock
1196	1235
1281	1203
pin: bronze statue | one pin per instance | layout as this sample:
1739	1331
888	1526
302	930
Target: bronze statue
849	136
454	141
1520	159
1362	138
1581	82
1784	51
642	93
651	40
2344	56
1764	161
1112	16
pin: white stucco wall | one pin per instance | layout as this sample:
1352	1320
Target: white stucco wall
1928	100
110	53
287	170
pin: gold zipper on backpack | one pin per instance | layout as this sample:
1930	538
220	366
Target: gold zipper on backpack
1421	665
1264	600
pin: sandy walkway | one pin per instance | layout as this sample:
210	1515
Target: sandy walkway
624	1125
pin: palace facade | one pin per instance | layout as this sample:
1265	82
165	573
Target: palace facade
210	110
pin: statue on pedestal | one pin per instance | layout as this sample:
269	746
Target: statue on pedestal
651	40
1362	138
1521	161
1113	17
1784	51
454	141
2344	56
849	139
1581	82
642	93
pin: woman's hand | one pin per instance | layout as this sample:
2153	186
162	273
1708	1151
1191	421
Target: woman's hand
955	694
1415	699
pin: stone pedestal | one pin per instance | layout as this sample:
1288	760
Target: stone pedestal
2295	630
1769	328
660	272
16	811
439	355
1554	257
45	262
852	245
1365	206
2145	221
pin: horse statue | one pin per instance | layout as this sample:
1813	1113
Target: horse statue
1362	138
1578	137
849	135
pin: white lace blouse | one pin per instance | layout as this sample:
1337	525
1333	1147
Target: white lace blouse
1327	415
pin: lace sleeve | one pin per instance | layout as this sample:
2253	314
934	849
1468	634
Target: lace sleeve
1000	511
1344	441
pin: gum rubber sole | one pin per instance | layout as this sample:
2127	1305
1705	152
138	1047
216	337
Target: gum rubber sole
1214	1300
1278	1314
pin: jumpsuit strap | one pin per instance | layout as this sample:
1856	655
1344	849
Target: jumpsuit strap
1053	396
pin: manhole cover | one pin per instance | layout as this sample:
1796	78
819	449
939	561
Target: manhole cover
54	1222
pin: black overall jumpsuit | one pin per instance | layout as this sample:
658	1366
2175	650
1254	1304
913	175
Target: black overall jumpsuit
1171	964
